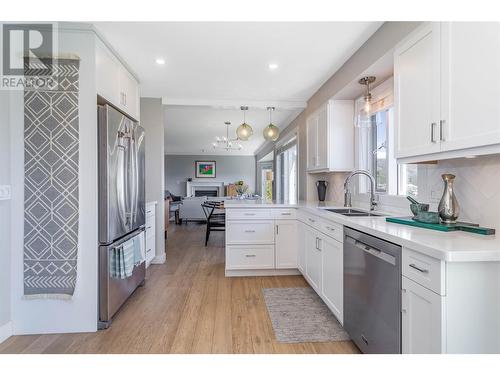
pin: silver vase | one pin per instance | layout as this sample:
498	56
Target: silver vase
448	205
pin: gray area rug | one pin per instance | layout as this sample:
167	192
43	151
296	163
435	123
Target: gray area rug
51	141
299	315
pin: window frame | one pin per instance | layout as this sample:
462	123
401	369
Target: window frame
279	157
383	99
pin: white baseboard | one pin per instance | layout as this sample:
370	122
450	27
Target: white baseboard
159	259
5	331
270	272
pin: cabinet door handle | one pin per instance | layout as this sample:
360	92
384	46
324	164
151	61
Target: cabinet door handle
277	229
250	255
249	214
331	229
433	125
311	220
319	244
249	231
418	268
285	213
441	130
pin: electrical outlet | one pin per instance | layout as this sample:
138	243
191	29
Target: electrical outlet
4	192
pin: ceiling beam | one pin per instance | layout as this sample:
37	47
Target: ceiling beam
235	103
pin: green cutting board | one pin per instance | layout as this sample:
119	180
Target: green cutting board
465	227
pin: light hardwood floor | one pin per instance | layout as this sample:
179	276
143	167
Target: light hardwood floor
186	306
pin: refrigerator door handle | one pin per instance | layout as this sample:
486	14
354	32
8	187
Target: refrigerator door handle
120	181
134	183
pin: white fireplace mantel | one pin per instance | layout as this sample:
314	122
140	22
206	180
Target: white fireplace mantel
192	186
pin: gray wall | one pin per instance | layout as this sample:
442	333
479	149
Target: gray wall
5	248
380	43
228	170
152	121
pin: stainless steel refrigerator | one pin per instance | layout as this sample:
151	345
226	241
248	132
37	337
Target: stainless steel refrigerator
121	203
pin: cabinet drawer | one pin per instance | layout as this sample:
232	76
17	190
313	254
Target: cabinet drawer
250	232
150	221
311	220
424	270
249	257
150	210
333	230
237	214
284	214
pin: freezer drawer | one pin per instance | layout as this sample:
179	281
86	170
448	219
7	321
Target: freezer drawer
114	292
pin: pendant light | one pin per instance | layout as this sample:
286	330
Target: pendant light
271	131
226	143
367	81
244	131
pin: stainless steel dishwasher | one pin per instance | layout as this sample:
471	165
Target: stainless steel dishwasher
372	292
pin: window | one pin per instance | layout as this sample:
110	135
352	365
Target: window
286	164
408	180
380	166
375	146
265	176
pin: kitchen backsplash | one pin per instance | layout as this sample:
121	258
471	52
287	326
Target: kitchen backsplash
477	187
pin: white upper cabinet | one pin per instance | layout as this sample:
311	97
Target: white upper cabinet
470	84
447	91
312	142
330	137
115	83
416	92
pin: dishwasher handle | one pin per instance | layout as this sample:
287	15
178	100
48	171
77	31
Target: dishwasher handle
372	251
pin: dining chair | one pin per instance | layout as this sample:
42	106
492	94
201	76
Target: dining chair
216	220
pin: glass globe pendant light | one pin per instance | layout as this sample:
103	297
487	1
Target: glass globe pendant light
367	81
244	131
271	131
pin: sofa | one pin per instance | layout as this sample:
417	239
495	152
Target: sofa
191	209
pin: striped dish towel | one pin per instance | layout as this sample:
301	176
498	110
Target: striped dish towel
128	261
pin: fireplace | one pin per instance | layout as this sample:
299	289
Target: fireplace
202	189
206	193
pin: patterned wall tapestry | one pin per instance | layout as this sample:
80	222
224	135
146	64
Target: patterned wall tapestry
51	185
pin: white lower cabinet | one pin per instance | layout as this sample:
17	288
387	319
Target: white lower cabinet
321	260
150	234
250	257
332	285
261	242
313	259
301	248
422	322
286	243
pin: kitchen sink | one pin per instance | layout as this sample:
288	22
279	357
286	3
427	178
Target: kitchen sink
352	212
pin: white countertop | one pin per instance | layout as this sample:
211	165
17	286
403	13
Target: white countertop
448	246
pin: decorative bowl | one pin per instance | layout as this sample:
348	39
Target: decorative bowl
416	208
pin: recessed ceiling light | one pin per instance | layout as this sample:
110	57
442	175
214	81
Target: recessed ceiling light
160	61
273	66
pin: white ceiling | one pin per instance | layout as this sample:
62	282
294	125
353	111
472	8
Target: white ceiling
192	129
226	63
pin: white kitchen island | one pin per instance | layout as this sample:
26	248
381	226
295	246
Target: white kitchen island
450	281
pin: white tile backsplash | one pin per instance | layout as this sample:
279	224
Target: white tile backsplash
477	187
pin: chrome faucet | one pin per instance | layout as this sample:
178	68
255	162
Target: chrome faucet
347	193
